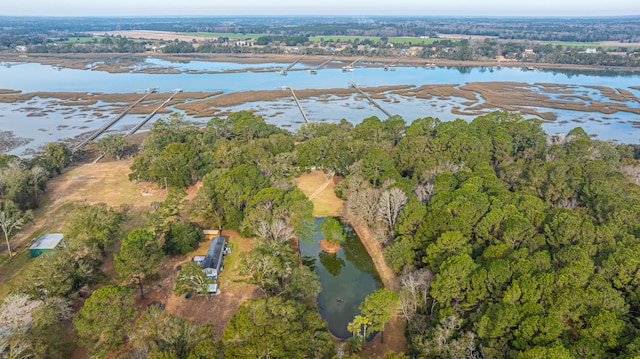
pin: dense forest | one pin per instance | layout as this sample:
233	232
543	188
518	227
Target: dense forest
509	243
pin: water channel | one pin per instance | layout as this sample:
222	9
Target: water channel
42	120
347	277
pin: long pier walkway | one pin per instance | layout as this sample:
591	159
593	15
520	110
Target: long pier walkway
284	72
391	66
146	119
317	68
355	86
350	66
150	116
304	115
106	126
529	68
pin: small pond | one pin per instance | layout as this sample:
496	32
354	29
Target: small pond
347	277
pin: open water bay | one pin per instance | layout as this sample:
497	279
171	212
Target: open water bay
41	120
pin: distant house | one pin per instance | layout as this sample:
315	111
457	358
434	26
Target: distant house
213	260
591	51
47	242
529	52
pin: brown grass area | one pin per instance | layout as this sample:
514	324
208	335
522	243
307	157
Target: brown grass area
325	201
104	182
443	90
80	61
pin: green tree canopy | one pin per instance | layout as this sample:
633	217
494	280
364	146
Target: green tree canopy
103	319
277	328
181	237
139	256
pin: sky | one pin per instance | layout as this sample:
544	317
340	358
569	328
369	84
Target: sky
564	8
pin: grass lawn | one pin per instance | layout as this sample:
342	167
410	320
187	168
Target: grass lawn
81	39
11	270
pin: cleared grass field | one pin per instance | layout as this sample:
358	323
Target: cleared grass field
586	45
223	34
81	40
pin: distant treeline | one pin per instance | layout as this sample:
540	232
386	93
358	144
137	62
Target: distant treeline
625	29
506	37
287	40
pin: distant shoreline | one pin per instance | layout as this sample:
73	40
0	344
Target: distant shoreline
81	61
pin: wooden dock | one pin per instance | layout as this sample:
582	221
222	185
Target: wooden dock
106	126
315	70
355	86
527	67
284	72
351	65
304	115
391	66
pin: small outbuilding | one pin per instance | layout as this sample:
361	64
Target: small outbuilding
45	243
199	259
212	289
210	234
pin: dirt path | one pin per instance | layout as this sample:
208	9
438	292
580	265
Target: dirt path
320	191
388	276
394	338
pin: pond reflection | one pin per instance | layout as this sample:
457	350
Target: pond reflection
347	277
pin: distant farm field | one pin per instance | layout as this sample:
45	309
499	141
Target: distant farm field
608	45
224	34
375	39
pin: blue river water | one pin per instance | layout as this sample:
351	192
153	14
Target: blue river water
40	121
32	77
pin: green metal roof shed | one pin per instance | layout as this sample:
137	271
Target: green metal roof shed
45	243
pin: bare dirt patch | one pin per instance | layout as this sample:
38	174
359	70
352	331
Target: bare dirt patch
328	247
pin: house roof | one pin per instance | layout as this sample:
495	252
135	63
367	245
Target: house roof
47	241
213	259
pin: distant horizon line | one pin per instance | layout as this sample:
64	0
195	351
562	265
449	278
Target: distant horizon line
326	15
